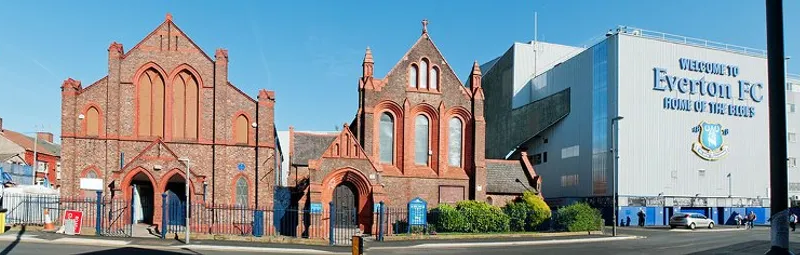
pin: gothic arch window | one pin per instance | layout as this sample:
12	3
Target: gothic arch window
92	122
91	174
423	74
151	103
421	141
386	143
455	138
241	192
413	73
241	132
184	106
434	77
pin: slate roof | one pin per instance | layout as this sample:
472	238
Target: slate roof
6	156
501	176
309	146
27	143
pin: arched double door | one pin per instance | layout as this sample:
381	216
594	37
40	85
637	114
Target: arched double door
345	204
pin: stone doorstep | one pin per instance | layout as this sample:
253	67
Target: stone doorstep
487	236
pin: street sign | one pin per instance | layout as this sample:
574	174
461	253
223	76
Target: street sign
76	216
91	184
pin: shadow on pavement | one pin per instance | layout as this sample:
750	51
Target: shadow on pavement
11	246
749	247
130	250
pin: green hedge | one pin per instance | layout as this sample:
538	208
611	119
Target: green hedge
578	217
527	213
468	216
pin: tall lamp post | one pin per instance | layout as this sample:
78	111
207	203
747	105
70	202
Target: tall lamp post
188	177
776	80
614	162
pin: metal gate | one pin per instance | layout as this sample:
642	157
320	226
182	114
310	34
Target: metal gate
117	219
344	217
176	213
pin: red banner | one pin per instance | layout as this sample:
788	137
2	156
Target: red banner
77	216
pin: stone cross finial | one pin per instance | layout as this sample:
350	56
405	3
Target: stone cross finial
424	26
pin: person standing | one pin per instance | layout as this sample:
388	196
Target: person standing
793	221
738	220
642	216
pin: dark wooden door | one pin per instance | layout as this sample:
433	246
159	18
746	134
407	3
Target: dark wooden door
344	202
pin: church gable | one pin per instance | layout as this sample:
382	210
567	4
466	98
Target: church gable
345	146
424	68
167	37
157	155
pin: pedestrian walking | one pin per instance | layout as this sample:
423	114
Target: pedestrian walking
751	218
739	220
642	216
793	221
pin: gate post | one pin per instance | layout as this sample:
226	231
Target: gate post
99	214
163	215
331	219
258	223
133	210
380	222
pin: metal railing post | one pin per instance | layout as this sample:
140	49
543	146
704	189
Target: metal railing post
163	215
99	214
331	219
380	222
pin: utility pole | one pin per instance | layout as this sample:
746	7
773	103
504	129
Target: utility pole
777	128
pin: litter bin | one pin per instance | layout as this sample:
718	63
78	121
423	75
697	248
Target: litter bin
3	220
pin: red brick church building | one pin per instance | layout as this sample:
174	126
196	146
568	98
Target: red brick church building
417	132
163	100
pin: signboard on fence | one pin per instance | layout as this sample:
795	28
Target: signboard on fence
73	216
417	212
316	208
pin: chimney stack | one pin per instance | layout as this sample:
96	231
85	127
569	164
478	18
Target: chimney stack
1	125
47	136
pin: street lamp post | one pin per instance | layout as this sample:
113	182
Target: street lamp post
188	177
614	162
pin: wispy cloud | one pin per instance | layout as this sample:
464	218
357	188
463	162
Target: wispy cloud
44	67
332	62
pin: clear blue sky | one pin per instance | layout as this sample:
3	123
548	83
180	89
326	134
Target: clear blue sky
310	52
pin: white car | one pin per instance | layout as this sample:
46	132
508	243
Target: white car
690	220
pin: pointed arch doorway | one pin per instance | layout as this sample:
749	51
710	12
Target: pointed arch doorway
345	203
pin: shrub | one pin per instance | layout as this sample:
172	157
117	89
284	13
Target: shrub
527	213
578	217
483	217
446	218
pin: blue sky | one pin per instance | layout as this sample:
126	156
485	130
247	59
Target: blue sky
310	52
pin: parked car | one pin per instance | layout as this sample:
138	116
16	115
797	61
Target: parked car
690	220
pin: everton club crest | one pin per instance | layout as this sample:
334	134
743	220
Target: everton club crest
710	145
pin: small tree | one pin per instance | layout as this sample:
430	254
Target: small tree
527	212
539	213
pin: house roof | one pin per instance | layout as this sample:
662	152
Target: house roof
502	176
27	143
310	146
6	156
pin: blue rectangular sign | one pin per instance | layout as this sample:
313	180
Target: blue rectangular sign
417	212
316	208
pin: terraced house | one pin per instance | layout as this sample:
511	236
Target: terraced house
164	104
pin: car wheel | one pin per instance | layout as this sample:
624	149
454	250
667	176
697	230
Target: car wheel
692	226
711	225
671	226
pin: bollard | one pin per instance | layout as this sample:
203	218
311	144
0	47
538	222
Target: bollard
358	245
3	220
99	214
163	215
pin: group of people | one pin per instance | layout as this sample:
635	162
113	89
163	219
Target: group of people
748	221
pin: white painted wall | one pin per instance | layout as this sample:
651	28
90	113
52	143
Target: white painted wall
656	144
